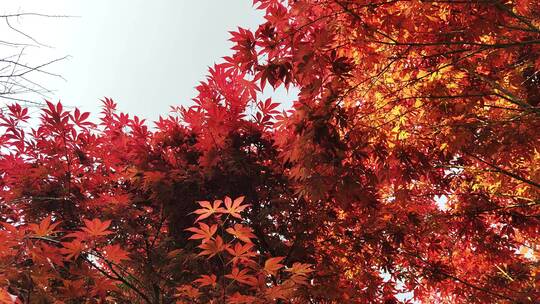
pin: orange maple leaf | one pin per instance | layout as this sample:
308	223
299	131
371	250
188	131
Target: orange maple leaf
187	291
44	228
208	209
12	231
238	298
278	292
242	276
299	272
96	227
241	252
243	233
234	207
272	265
206	280
300	269
103	286
72	249
212	247
46	254
115	253
205	232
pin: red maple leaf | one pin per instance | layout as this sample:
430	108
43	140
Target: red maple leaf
72	249
272	265
44	228
115	253
96	227
206	280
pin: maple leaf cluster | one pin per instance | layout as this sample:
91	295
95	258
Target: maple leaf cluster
232	244
406	170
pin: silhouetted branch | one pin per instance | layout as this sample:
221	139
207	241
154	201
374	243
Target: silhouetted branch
17	81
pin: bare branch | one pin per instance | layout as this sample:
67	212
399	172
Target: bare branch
16	73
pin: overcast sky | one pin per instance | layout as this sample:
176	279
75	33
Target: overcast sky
146	55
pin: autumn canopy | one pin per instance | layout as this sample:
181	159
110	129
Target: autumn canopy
406	170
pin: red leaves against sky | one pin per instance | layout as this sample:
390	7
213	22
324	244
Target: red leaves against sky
408	164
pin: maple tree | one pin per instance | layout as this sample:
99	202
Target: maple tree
408	169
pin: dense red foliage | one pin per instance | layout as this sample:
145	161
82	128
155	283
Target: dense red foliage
408	166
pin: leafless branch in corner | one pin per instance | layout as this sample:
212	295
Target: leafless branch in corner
21	77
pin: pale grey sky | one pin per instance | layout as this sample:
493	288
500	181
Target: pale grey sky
146	55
